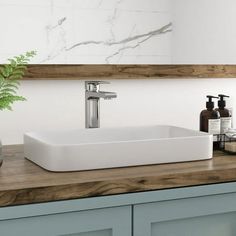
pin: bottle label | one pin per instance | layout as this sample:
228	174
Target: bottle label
214	126
226	123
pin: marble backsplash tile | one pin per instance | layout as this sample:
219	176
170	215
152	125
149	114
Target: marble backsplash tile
87	32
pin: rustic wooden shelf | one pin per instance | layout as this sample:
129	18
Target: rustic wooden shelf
82	72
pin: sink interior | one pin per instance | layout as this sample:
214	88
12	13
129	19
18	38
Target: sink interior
109	135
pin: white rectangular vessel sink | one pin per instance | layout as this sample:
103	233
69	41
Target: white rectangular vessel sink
87	149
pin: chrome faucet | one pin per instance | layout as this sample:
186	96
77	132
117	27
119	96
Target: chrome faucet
92	102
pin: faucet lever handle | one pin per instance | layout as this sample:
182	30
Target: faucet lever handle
97	82
94	85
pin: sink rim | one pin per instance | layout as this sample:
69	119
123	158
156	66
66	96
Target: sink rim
51	143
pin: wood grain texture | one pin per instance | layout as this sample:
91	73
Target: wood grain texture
83	72
22	182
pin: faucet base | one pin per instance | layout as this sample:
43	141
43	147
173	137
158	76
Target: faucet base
92	113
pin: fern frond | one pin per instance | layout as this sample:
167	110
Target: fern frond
10	86
8	90
7	101
10	74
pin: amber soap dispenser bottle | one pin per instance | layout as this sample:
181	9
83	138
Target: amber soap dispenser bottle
225	114
210	118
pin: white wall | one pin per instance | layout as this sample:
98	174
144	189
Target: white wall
57	105
204	31
60	104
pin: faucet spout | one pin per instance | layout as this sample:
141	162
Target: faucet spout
92	102
100	94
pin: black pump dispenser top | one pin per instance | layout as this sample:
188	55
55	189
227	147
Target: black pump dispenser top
210	103
221	102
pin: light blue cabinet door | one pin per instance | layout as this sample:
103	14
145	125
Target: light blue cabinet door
101	222
202	216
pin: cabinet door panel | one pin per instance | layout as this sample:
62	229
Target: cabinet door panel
102	222
93	233
206	216
214	225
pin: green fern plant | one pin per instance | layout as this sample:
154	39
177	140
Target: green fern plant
10	74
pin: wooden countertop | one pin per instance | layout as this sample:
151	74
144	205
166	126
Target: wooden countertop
22	182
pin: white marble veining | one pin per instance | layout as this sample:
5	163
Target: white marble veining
95	31
120	31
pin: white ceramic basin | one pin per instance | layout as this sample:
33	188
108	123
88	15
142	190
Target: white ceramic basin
87	149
